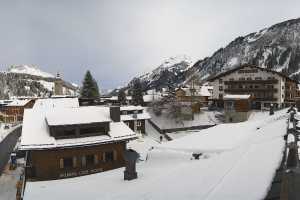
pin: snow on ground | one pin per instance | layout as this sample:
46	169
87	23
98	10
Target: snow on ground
145	143
8	181
205	117
238	161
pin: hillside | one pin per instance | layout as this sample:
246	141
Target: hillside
276	47
26	80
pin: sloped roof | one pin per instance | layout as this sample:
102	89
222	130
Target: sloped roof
252	66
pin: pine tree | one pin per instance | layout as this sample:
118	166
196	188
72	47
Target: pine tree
137	93
122	97
89	87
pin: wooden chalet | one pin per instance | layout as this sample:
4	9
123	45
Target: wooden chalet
11	111
74	141
236	108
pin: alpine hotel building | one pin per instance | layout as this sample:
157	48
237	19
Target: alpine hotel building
265	86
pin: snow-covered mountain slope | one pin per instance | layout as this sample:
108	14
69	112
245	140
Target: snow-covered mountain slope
26	80
29	69
169	73
276	47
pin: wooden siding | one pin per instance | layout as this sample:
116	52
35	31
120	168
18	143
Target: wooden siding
46	164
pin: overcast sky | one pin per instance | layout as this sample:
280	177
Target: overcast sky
118	40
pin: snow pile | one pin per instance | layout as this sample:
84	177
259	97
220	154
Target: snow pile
238	161
29	69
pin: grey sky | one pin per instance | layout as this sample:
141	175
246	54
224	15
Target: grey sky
117	40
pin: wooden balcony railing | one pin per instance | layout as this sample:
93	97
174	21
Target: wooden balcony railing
250	90
270	81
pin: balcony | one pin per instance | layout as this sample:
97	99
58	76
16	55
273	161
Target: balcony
250	90
265	99
270	81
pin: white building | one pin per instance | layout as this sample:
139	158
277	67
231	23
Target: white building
265	86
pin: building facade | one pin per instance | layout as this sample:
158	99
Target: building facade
70	142
265	86
11	111
236	108
135	118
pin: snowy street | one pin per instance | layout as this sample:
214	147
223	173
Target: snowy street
7	145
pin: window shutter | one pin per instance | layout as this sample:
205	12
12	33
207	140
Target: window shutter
115	155
74	162
96	159
61	163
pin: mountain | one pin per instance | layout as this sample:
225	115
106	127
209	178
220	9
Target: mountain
170	73
27	80
276	48
29	69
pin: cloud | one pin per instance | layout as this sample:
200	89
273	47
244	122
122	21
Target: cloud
117	40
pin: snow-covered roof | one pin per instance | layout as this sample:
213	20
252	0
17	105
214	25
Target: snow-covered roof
151	97
203	90
233	166
51	103
131	108
236	96
15	102
140	116
80	115
35	132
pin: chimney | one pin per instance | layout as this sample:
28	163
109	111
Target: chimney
130	157
115	113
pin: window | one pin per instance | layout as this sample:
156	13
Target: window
90	160
241	86
220	96
221	88
242	79
59	132
258	78
124	112
220	80
67	162
92	130
266	105
138	123
109	156
249	78
256	86
231	79
250	86
69	132
229	105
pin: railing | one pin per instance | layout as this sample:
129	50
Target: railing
251	90
271	81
